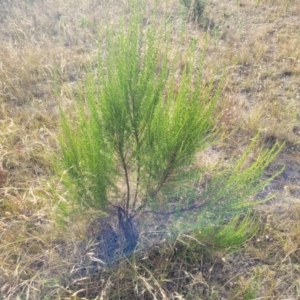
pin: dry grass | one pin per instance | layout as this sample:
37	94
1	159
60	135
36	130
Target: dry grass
45	49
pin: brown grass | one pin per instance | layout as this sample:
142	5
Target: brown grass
46	47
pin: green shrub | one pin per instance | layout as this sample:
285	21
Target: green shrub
137	126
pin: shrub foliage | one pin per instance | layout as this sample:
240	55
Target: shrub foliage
139	121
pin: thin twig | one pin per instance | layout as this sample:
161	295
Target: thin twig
136	187
124	165
191	207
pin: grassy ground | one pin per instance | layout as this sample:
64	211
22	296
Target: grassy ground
46	48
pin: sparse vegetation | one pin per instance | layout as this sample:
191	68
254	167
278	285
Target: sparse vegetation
195	8
190	246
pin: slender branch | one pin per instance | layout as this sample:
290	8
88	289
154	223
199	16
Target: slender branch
191	207
124	165
137	186
137	141
166	175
